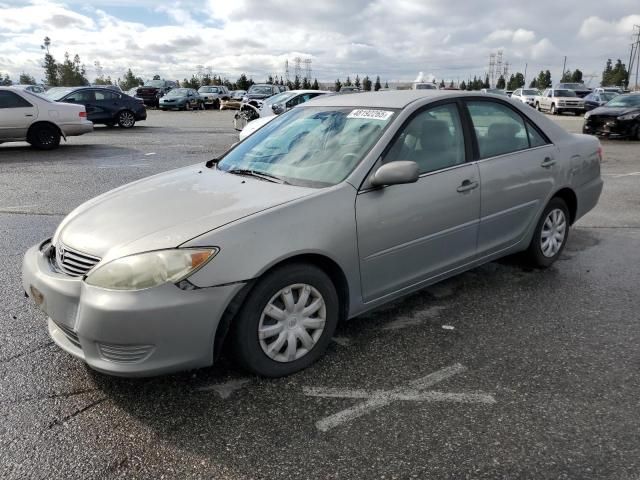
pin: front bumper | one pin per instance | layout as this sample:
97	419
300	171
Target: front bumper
610	126
128	333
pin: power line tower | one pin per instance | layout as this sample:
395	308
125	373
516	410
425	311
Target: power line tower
297	67
505	72
307	68
492	68
634	57
286	71
499	66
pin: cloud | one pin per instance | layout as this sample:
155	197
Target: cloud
395	40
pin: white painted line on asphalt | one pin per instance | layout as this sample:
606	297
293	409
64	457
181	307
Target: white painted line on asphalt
448	327
417	319
414	392
342	341
126	165
150	153
224	390
618	175
18	207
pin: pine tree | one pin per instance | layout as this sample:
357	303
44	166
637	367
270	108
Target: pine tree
462	86
347	82
315	85
386	84
270	80
366	84
130	81
441	83
156	77
486	83
296	82
338	85
533	83
6	80
26	79
501	83
357	82
576	76
377	85
305	84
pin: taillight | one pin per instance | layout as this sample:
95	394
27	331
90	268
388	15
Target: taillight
83	114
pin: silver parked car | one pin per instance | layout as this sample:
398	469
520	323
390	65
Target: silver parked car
330	210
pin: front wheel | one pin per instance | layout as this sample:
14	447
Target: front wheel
537	106
126	119
287	321
551	234
553	109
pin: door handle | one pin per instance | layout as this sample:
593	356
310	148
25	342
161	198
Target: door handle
467	186
28	115
548	162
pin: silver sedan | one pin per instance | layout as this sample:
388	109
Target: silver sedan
330	210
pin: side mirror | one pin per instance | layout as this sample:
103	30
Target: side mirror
277	108
395	173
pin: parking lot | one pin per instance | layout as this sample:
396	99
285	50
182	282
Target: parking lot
500	373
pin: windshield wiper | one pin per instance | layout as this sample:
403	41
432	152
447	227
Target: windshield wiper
254	173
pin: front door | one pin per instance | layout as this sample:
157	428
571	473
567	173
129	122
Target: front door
410	233
517	170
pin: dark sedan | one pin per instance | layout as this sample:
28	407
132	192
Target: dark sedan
182	99
103	105
620	117
595	100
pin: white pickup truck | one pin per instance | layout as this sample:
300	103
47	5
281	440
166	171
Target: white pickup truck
556	101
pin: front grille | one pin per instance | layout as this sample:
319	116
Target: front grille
598	121
124	353
70	334
74	263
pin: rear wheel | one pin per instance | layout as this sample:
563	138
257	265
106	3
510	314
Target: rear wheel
126	119
44	137
551	234
287	321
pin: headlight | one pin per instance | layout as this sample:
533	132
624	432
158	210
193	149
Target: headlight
146	270
587	115
629	116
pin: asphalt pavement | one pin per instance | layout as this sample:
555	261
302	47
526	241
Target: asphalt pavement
500	373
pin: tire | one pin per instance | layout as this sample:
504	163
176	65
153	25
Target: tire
637	133
202	106
553	109
126	119
537	106
44	136
268	294
535	254
187	106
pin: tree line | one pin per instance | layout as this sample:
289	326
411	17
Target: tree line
72	72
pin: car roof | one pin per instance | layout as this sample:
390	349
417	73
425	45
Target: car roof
388	99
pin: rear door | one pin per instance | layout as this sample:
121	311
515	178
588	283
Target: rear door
87	98
16	115
107	105
517	171
410	233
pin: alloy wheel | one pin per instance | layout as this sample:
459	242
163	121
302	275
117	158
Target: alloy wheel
126	119
554	230
292	322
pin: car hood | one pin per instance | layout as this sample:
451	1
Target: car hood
173	97
254	125
614	111
166	210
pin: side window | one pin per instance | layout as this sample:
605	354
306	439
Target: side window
535	138
12	100
106	95
498	128
433	139
81	96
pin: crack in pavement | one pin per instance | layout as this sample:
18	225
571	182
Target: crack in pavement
49	396
22	354
63	420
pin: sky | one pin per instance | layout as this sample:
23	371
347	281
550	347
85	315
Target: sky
395	39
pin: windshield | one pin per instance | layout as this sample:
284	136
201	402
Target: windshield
208	90
38	95
530	92
564	93
155	84
497	91
260	90
425	86
573	86
56	93
608	95
279	98
625	101
311	146
177	92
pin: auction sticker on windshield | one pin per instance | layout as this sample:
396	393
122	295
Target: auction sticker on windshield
371	114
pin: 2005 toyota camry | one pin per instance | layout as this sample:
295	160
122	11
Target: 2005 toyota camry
332	209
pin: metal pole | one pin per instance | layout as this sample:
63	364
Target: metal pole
632	57
525	76
563	68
